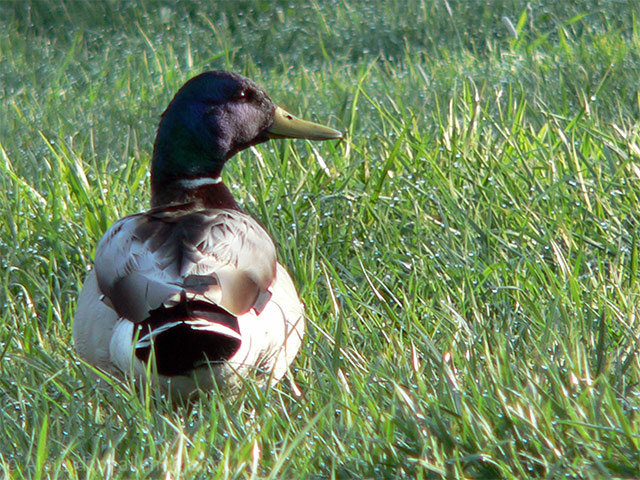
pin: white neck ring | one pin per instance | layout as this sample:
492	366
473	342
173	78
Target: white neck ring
191	183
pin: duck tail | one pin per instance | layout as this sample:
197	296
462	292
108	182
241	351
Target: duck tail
187	336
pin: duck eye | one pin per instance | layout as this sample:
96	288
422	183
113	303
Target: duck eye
242	94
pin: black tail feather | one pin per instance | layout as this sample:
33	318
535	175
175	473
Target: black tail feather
180	348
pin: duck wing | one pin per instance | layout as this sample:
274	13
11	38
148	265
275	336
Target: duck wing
171	256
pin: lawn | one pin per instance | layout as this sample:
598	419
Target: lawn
468	256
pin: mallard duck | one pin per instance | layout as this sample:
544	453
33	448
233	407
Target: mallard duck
191	290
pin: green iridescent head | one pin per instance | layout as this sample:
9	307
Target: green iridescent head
214	116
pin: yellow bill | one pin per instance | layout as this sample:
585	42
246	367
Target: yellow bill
286	125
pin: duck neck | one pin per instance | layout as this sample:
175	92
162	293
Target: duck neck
207	192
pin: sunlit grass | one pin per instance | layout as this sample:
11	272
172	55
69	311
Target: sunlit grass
468	256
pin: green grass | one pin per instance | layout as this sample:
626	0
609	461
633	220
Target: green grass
468	257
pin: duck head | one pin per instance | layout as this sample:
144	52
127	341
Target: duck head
214	116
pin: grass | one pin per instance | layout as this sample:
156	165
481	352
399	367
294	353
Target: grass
468	257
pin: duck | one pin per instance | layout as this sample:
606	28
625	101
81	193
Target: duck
189	293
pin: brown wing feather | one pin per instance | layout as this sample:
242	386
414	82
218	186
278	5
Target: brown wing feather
164	256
